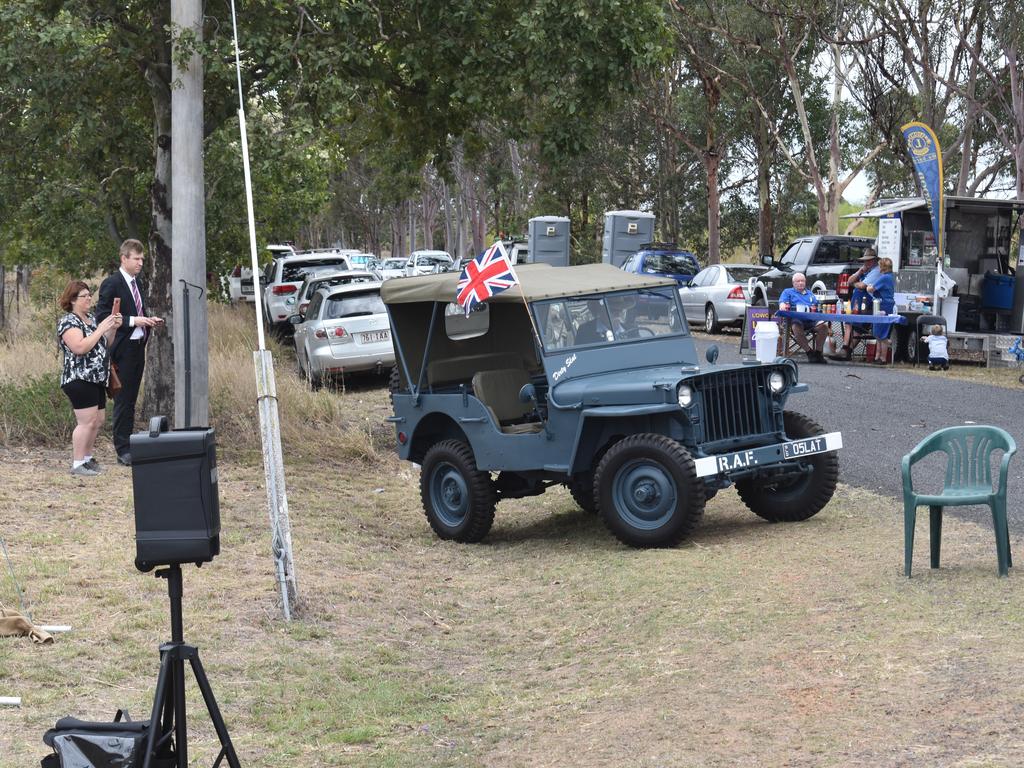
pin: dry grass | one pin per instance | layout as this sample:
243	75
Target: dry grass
34	412
28	345
548	645
312	423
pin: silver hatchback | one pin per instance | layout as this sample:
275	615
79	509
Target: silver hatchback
345	330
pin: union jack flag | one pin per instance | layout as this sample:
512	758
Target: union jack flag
488	274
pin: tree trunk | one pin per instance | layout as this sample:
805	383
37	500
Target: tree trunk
765	218
3	297
158	388
24	277
711	164
712	160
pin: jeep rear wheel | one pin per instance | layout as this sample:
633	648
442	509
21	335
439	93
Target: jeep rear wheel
648	492
458	498
789	500
394	384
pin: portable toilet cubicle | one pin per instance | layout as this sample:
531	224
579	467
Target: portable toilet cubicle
549	240
625	233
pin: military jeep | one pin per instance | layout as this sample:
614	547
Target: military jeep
588	377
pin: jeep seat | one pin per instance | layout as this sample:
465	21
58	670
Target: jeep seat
499	391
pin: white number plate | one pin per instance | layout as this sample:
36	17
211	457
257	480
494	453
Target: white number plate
372	337
768	454
805	447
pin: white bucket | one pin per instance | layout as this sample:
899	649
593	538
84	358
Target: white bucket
766	340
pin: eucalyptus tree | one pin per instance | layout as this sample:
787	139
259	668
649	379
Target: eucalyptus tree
85	106
921	60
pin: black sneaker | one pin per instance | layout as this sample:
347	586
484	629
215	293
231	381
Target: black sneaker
94	465
124	459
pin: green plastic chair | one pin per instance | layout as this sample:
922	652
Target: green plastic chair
968	482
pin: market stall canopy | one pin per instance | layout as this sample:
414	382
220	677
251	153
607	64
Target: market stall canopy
978	204
887	207
537	281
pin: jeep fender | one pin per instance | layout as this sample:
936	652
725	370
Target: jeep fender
599	428
431	429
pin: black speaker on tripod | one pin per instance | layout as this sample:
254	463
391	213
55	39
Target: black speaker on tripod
177	520
177	511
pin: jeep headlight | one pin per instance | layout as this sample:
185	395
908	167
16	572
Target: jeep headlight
776	382
684	396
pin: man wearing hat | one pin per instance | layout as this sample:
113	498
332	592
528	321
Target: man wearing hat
868	274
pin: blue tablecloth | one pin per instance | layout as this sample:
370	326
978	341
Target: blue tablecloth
792	314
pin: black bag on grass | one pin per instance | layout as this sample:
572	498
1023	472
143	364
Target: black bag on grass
87	744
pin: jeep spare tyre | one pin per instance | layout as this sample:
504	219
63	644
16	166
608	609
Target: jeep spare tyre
458	498
795	497
648	491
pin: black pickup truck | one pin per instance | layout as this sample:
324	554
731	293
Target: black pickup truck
822	258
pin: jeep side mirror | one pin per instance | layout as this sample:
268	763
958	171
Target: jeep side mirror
528	394
767	259
711	355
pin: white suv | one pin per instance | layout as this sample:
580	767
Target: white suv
427	262
282	278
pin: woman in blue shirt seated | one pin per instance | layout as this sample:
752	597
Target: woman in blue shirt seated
797	298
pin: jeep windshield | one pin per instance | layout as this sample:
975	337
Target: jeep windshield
608	318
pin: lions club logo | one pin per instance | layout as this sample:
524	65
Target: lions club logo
919	142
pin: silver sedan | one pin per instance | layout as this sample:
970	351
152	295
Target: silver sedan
718	295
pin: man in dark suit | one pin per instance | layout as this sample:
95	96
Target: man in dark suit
128	350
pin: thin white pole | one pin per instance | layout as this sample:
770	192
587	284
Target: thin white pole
266	392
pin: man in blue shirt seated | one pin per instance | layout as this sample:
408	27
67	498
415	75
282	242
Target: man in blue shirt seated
798	298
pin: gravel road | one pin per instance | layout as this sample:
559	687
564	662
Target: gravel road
884	412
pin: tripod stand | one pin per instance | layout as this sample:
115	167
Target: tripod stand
169	699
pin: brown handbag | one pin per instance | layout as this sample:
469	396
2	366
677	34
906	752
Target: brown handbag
113	382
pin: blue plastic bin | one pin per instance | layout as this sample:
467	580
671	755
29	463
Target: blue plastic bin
997	291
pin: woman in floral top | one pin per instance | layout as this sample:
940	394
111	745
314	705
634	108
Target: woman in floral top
84	377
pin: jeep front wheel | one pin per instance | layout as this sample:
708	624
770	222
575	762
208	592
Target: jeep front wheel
648	491
581	488
788	500
458	498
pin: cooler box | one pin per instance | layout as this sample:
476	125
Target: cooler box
997	291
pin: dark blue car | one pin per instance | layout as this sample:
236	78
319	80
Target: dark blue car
664	260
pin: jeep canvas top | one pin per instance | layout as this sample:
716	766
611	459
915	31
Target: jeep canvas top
596	386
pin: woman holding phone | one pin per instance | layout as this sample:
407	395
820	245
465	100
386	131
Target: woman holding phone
86	369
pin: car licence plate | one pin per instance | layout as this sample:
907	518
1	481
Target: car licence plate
811	445
246	288
372	337
768	454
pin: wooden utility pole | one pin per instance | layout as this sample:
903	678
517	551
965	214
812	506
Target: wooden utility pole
188	221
